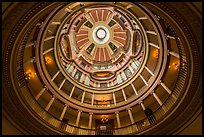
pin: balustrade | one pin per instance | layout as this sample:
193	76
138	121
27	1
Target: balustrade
136	126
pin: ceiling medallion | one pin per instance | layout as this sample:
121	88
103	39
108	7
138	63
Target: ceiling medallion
107	47
101	34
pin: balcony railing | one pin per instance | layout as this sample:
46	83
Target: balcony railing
135	128
71	129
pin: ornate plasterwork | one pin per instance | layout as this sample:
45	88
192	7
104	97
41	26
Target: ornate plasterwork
18	112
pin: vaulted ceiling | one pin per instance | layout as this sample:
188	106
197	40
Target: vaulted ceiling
71	68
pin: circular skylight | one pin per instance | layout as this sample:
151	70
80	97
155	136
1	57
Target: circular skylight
101	34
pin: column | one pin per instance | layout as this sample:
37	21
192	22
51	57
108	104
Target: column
168	90
124	94
142	105
142	18
90	119
149	70
157	98
154	45
68	10
131	119
62	83
45	52
159	101
29	45
50	103
72	91
78	118
40	93
92	100
83	95
29	61
174	54
63	111
151	32
168	36
55	23
114	100
49	38
128	6
118	119
55	75
130	115
134	89
177	55
143	80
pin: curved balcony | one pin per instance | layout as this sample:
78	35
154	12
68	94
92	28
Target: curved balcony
134	128
135	98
